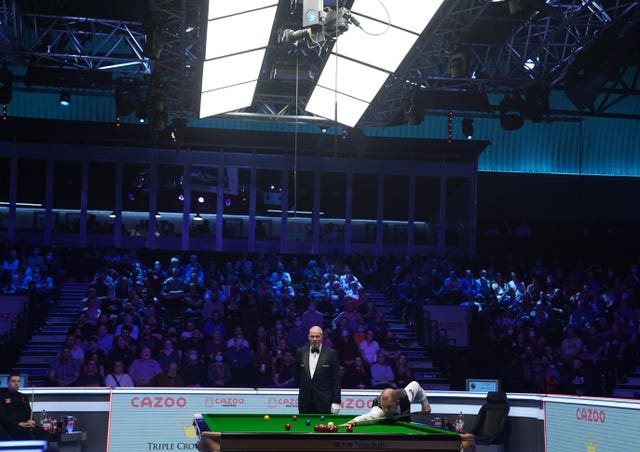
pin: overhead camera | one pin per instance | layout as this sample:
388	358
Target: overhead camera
330	24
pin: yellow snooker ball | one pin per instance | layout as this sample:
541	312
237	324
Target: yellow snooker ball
330	424
266	417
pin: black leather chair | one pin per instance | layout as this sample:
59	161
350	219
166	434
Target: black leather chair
491	427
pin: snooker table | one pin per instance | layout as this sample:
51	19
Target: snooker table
251	432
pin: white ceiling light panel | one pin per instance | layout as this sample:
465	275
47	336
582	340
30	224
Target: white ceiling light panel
237	36
368	55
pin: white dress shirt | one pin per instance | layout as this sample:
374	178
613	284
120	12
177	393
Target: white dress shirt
313	360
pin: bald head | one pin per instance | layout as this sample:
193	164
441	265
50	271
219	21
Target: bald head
315	336
389	399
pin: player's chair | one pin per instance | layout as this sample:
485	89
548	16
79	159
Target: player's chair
492	423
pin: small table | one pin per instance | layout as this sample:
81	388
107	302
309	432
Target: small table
251	432
69	442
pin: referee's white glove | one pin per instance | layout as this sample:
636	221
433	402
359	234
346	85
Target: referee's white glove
335	408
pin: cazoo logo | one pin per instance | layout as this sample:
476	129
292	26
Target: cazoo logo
357	404
223	401
158	402
275	402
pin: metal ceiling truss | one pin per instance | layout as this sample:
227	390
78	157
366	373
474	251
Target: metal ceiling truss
84	43
179	29
537	48
539	51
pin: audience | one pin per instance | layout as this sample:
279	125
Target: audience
546	327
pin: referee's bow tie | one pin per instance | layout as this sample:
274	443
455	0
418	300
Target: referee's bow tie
315	350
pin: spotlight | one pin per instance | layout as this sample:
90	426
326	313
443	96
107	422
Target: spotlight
127	97
536	103
414	114
6	85
414	110
467	128
181	197
156	99
152	45
511	112
65	98
201	199
458	65
177	132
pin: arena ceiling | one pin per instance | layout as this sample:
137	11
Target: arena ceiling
473	51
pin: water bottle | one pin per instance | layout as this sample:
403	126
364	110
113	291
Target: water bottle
459	425
45	422
43	416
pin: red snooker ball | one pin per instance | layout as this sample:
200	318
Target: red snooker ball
316	428
287	426
349	428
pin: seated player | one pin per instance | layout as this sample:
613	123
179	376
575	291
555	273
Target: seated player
16	420
394	404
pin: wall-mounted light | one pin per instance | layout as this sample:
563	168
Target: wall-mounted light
512	112
65	98
197	217
467	128
112	214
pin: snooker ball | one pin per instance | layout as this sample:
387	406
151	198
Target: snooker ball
266	417
322	418
308	422
349	428
294	417
330	424
287	426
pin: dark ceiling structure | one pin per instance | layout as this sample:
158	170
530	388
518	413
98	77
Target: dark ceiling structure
152	50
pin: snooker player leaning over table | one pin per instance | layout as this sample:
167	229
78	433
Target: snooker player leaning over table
395	403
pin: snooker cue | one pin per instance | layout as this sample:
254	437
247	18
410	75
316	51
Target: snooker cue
384	420
32	402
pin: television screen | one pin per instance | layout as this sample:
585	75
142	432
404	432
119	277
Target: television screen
482	385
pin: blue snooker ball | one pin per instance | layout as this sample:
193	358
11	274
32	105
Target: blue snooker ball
308	422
